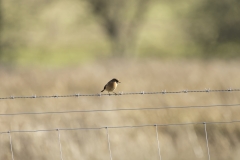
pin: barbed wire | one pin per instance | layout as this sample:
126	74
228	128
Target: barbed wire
120	109
121	93
124	109
119	127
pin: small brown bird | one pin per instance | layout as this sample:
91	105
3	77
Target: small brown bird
111	85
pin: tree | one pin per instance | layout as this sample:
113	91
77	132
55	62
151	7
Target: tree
1	23
215	27
121	20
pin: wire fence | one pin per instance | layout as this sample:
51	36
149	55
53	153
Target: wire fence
122	93
107	128
119	109
108	141
112	127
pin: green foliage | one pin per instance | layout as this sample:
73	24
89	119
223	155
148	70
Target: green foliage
31	31
214	25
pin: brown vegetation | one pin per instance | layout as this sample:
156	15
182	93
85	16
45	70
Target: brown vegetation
177	142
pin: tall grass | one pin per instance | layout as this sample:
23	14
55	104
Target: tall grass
176	142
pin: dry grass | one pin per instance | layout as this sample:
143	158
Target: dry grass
177	142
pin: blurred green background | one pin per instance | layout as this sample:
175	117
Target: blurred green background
59	32
61	47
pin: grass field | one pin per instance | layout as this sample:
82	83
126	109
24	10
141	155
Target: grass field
176	142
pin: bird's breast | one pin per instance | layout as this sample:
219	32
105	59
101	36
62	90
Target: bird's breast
111	86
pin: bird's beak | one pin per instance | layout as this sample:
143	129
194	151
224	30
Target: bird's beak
119	82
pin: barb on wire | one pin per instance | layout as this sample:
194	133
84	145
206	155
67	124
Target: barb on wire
131	126
121	93
120	109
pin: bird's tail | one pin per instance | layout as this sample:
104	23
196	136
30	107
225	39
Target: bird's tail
104	88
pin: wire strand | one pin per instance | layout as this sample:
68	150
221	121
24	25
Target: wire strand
159	153
109	145
130	126
121	93
123	109
60	146
205	128
10	141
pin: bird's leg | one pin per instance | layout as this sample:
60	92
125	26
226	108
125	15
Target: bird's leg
109	93
115	93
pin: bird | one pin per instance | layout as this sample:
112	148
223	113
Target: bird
111	85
